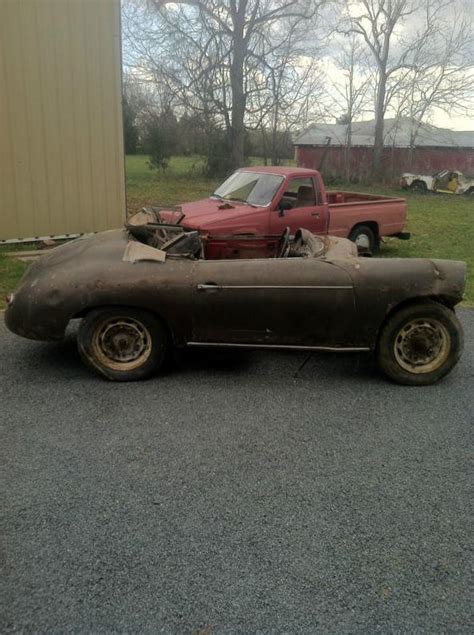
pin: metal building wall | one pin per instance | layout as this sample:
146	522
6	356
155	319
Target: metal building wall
61	140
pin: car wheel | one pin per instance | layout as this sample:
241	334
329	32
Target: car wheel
419	187
122	344
365	239
420	344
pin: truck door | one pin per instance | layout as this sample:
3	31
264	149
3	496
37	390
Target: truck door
300	205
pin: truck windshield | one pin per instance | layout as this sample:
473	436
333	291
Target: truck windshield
250	187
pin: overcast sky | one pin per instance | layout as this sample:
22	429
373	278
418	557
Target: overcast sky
456	123
439	118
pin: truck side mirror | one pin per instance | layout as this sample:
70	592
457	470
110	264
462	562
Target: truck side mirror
284	205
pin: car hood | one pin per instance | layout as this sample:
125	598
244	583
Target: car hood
209	213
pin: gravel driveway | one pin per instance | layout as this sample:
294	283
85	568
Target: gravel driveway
239	493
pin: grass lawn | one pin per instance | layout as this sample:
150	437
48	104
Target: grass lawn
442	226
184	180
10	272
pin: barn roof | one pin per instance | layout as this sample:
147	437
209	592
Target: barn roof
397	133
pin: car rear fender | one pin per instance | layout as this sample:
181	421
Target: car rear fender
165	323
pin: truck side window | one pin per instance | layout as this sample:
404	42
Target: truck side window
300	192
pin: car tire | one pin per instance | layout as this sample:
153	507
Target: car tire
366	240
122	344
419	187
420	344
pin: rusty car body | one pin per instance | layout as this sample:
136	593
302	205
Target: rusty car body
443	181
147	287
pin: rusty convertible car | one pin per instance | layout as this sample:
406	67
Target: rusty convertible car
145	288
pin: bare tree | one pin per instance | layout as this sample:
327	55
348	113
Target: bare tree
174	54
256	63
235	28
185	62
375	22
288	80
441	75
386	26
352	96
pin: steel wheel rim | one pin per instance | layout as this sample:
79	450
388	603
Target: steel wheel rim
363	241
422	345
122	343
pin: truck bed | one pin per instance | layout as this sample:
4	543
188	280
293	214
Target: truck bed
346	210
338	198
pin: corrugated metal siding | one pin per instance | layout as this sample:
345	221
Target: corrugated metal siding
61	140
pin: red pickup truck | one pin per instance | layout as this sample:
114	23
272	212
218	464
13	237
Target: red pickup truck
253	207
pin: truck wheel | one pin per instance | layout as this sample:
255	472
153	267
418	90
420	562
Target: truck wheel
419	187
122	344
420	344
365	239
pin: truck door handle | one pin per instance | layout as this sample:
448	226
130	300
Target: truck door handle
317	214
209	287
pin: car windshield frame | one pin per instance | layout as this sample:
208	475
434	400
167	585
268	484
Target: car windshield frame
254	188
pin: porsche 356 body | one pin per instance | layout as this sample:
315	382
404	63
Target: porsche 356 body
148	287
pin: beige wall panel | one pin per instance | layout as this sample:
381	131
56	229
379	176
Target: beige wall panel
61	140
7	170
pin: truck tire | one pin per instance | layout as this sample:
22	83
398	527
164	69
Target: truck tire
365	238
420	344
122	343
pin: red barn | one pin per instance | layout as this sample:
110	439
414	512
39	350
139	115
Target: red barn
324	146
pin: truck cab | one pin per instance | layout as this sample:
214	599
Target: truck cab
260	203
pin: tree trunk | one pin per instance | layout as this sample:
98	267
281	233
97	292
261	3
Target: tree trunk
415	126
377	165
264	146
237	132
274	149
348	151
411	155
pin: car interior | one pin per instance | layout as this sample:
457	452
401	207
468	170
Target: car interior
177	241
303	197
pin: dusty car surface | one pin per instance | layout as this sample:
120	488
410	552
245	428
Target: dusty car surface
148	287
444	181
